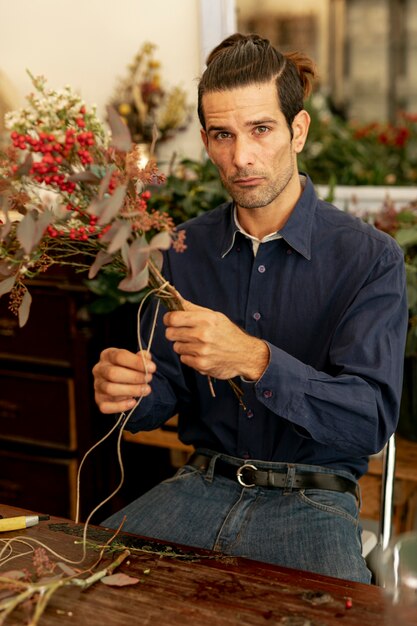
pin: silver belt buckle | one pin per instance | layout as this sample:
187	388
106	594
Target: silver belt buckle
239	474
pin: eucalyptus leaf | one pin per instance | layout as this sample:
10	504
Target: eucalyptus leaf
6	269
6	227
7	285
104	183
161	241
121	235
157	258
24	308
135	282
30	230
112	205
121	137
26	233
86	177
24	168
101	259
137	256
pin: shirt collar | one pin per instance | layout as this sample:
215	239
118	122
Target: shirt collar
297	230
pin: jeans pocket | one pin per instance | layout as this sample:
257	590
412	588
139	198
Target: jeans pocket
334	502
184	472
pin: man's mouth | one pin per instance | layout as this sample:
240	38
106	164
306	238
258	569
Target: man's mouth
248	181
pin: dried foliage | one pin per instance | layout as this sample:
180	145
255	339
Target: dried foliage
146	104
73	194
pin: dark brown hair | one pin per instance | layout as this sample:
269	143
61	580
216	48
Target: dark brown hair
242	60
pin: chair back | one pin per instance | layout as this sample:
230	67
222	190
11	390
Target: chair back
387	493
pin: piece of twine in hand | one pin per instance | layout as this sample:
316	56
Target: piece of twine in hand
170	297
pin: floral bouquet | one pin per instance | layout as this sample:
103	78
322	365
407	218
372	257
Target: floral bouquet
74	194
145	104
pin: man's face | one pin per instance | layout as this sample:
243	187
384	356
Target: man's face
248	139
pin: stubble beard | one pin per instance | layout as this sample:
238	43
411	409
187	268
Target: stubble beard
253	198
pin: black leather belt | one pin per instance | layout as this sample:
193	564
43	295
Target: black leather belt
248	475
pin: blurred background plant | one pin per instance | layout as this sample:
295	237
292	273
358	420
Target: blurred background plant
341	152
402	225
146	104
192	187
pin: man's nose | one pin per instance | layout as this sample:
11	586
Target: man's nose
243	154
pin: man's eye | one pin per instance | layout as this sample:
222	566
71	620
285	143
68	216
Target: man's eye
222	135
261	130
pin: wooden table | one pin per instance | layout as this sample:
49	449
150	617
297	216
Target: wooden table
195	588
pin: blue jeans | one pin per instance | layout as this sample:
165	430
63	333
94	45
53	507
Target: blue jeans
315	530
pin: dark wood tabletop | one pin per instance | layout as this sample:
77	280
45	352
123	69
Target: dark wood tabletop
180	586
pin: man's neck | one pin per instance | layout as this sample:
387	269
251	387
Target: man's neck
262	221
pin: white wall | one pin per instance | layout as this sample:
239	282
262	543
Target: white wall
89	43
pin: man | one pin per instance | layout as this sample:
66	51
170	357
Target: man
299	303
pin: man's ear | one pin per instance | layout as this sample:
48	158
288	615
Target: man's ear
204	137
300	126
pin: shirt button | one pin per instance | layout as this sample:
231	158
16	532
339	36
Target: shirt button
289	251
267	393
246	455
249	414
261	269
256	316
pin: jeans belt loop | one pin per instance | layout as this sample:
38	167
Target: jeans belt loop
210	469
289	479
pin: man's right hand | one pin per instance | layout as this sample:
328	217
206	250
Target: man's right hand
120	377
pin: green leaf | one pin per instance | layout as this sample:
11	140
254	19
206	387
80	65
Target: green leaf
406	237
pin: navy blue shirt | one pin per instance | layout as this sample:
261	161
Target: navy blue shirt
329	298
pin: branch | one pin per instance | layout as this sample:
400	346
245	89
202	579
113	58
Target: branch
171	299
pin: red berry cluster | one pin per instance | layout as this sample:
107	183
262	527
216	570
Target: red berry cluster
142	204
82	233
54	153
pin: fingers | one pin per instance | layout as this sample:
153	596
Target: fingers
141	361
120	377
108	405
188	316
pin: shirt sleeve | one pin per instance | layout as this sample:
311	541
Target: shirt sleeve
354	404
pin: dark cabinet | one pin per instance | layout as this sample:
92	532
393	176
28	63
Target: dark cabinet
48	418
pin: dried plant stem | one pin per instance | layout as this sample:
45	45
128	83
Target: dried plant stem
45	590
171	298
